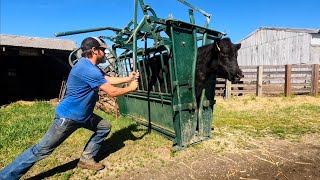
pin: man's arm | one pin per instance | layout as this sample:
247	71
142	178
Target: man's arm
116	91
117	80
121	80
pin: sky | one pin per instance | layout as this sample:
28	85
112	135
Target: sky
237	18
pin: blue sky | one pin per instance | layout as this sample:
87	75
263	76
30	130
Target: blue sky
238	18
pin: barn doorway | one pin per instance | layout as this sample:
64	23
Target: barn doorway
31	73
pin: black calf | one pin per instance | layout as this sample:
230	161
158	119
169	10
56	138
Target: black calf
218	59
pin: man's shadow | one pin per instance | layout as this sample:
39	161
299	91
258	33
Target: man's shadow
109	146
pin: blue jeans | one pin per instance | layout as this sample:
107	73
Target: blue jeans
58	132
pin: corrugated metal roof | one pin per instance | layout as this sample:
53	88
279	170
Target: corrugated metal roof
297	30
37	42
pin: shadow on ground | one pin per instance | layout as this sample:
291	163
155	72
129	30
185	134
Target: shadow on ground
109	146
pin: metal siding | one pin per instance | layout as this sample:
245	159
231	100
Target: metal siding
36	42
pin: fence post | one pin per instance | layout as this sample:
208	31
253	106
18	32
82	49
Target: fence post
259	80
227	93
315	80
287	83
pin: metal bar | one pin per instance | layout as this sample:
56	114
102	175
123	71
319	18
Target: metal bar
151	49
170	66
158	82
195	8
177	100
130	64
150	73
126	67
200	111
175	71
169	133
194	66
134	50
198	28
163	73
72	63
166	96
125	29
193	83
154	94
205	35
140	25
150	98
59	34
122	68
142	7
192	21
145	75
118	67
146	8
140	77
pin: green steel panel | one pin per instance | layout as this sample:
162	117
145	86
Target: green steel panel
184	49
156	110
205	117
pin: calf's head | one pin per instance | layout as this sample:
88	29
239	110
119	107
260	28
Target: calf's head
226	64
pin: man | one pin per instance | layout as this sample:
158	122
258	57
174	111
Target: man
76	111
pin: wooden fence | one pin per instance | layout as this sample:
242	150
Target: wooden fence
273	80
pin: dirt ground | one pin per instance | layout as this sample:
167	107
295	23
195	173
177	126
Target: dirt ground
263	159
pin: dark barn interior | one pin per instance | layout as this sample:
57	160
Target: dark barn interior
31	73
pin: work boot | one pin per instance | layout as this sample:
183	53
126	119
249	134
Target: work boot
90	164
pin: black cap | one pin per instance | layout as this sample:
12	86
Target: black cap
91	42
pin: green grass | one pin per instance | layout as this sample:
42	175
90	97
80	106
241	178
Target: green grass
21	126
129	147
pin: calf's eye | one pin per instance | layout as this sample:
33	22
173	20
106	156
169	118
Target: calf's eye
224	54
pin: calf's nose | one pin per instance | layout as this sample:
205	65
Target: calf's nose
240	75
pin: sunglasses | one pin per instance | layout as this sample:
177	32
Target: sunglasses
106	51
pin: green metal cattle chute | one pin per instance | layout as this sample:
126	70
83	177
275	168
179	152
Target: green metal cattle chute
172	111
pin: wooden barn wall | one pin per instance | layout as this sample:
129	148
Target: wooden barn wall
274	47
315	49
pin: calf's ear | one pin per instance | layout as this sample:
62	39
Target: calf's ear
238	46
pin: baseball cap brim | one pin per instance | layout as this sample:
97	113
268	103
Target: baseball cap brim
103	45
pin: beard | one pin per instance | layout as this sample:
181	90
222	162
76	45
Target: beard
102	60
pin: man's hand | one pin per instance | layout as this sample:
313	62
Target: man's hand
134	75
134	85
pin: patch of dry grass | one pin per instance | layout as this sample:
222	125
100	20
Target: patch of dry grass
262	116
253	103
